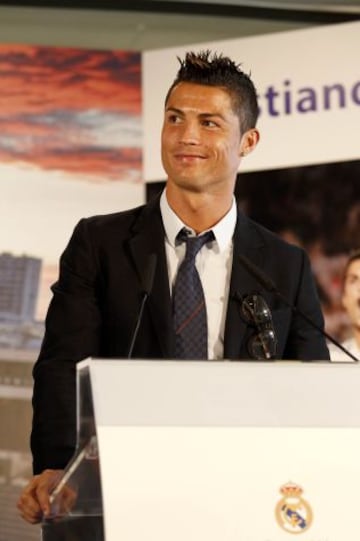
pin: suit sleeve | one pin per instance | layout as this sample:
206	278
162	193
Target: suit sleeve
72	333
305	342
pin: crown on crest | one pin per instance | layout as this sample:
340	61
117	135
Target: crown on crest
291	489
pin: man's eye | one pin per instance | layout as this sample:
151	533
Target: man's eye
173	119
209	123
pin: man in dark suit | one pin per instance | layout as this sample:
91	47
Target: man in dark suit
209	125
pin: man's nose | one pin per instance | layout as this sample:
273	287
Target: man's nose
190	133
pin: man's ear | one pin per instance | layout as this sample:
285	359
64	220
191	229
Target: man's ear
248	142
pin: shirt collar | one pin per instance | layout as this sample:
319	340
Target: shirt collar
223	230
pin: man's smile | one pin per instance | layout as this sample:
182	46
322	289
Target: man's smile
189	156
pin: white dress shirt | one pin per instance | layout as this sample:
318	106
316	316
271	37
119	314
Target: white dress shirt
213	262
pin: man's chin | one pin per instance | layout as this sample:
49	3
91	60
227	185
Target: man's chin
190	184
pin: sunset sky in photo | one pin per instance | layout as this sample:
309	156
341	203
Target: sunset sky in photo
70	145
73	110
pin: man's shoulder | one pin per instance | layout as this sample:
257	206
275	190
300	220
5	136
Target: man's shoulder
268	239
125	220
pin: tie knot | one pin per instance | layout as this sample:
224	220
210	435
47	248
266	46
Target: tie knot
194	244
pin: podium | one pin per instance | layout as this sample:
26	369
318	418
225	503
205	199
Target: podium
192	450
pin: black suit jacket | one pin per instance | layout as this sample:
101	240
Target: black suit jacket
97	298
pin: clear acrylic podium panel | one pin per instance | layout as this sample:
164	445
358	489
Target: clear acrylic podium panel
76	502
196	395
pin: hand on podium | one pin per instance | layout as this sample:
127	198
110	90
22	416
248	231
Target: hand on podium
35	502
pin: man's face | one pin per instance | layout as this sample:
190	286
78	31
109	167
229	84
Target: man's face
351	294
201	139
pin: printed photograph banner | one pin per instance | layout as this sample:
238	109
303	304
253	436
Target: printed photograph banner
70	146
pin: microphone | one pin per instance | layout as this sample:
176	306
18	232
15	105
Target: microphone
147	284
270	286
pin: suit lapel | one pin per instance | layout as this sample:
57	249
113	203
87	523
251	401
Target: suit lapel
148	238
248	243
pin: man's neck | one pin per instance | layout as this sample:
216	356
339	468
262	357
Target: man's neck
200	211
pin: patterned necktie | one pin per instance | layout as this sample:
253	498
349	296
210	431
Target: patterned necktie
189	307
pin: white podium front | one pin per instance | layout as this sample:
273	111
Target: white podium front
235	451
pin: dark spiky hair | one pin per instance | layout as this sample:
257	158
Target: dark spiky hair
213	69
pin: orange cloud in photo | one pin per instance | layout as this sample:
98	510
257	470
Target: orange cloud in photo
69	109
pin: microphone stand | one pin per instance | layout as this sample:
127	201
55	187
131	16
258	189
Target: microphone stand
147	283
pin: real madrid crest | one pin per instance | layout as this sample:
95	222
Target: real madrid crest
293	513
